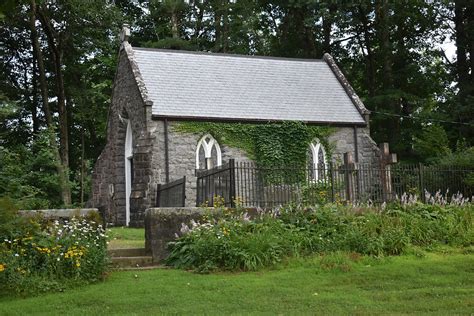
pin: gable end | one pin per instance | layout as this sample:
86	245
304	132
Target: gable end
128	50
347	87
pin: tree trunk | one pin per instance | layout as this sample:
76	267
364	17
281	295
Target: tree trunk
328	20
382	15
464	34
470	41
370	55
297	17
174	22
391	102
200	16
56	54
225	29
218	28
462	67
34	98
38	56
82	166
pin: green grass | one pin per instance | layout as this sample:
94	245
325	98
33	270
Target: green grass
438	283
125	237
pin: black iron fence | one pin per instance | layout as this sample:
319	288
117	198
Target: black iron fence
254	186
171	194
217	182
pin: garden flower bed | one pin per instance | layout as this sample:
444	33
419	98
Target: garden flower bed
38	256
234	241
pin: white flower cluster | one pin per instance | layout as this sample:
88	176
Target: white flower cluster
81	230
196	226
261	213
438	198
457	199
408	199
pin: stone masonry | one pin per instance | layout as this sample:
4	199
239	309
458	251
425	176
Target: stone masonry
109	172
130	102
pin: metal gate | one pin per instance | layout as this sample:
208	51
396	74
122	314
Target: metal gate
171	194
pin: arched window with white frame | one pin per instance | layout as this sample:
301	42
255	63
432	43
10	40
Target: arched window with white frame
208	153
317	160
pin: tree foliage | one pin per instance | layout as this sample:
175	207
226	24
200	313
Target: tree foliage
58	61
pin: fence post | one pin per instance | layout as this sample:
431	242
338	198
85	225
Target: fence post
331	168
183	196
421	182
348	168
232	182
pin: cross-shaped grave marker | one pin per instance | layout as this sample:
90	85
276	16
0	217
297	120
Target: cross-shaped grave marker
386	160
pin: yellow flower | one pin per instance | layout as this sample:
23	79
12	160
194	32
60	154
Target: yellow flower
78	264
2	267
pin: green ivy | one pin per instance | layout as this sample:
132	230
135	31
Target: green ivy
270	144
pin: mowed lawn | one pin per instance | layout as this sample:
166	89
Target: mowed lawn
438	283
121	237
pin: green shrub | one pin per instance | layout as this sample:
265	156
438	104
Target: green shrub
235	242
230	243
11	224
431	143
316	193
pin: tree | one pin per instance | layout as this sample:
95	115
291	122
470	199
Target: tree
58	60
464	36
66	65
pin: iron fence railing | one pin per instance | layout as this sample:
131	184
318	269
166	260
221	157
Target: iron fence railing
217	182
171	194
254	186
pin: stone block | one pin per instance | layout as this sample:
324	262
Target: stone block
57	213
162	225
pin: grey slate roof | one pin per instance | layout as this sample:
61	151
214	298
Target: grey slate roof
217	86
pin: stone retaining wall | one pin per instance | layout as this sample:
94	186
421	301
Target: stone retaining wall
58	213
161	226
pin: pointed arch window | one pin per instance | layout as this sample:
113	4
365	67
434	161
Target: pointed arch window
208	153
128	170
317	161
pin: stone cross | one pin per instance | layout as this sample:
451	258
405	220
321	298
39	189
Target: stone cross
125	33
349	168
386	160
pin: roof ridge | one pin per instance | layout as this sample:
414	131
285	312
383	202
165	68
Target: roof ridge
207	53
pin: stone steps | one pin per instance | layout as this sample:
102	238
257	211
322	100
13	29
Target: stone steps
153	267
131	262
130	259
127	252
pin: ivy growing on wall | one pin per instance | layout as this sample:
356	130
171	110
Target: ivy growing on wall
271	144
